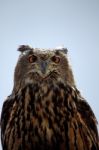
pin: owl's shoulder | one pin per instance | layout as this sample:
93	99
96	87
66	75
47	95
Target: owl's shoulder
6	110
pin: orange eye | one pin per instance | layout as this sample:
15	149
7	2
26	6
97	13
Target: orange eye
32	58
55	59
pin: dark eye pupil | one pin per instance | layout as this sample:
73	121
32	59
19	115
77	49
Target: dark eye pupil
32	58
55	59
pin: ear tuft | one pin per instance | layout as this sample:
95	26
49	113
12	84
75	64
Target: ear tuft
62	50
23	48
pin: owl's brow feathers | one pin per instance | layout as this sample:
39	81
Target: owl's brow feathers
24	48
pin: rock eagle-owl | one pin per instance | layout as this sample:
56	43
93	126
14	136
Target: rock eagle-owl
45	110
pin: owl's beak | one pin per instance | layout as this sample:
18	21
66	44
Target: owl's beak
43	67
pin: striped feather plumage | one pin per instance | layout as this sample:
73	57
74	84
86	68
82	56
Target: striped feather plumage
48	117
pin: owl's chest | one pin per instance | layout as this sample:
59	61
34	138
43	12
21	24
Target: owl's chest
44	111
39	117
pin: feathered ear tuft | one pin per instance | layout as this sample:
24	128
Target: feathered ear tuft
23	48
62	50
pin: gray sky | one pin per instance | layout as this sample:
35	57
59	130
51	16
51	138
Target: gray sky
48	24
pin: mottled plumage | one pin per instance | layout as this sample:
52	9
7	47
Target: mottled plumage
45	110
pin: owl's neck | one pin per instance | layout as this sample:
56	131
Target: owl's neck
45	82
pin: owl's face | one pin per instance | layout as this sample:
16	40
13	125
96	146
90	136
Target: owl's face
37	65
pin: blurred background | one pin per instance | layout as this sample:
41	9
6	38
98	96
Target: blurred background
48	24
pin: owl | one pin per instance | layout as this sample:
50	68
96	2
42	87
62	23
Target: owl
45	110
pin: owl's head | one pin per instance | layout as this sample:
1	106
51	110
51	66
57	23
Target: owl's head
40	65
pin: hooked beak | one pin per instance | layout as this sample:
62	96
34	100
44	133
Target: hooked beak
43	67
